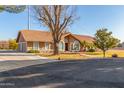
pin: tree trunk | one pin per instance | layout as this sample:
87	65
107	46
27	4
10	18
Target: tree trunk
104	54
56	48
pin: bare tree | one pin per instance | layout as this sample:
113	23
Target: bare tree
57	18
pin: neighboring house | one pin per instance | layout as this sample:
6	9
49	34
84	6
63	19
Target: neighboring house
42	40
4	44
120	46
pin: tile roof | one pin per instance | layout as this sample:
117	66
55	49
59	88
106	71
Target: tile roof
34	35
84	38
45	36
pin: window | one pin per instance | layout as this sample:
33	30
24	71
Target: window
36	45
61	46
76	45
46	46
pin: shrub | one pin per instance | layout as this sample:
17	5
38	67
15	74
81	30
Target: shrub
33	51
58	58
91	50
114	55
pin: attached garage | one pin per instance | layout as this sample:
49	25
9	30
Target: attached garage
22	46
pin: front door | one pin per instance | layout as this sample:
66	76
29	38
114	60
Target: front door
66	46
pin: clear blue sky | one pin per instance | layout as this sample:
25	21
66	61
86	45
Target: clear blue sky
91	19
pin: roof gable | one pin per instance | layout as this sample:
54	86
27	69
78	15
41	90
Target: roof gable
20	37
81	38
33	35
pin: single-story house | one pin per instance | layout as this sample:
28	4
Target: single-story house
42	41
122	44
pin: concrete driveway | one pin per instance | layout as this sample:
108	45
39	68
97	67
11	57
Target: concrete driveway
11	60
105	73
18	56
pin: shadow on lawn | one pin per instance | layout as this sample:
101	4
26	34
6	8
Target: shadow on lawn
57	74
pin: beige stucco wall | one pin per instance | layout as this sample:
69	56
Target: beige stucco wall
69	39
22	43
29	45
41	46
51	47
21	38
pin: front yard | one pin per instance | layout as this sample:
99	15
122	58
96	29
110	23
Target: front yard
65	56
109	53
47	73
83	55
